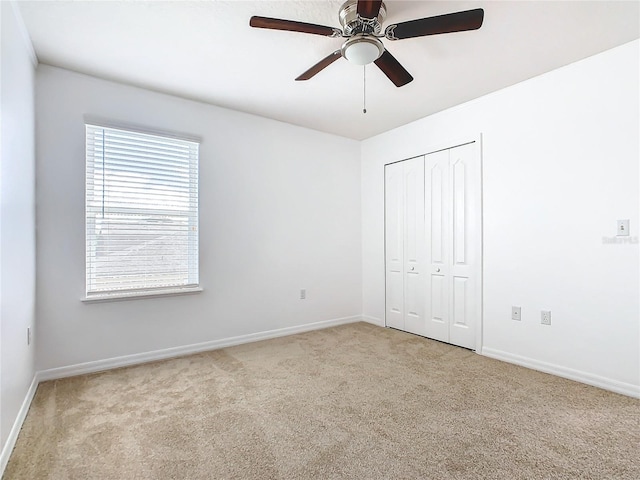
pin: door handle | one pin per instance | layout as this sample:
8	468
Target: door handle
437	270
413	268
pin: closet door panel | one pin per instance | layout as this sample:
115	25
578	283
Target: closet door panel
437	241
394	245
464	172
414	246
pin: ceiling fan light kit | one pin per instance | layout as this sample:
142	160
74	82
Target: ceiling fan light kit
362	49
361	22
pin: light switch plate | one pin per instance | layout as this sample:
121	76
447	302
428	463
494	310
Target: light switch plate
623	228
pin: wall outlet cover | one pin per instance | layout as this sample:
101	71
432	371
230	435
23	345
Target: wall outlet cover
546	317
516	313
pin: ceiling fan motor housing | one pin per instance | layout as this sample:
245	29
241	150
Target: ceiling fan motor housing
353	24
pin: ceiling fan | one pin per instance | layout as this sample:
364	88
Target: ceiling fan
361	22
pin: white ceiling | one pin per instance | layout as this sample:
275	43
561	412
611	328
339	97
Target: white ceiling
207	51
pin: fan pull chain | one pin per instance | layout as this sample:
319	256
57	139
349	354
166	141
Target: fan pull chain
364	89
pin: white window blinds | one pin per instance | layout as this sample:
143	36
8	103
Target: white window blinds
141	212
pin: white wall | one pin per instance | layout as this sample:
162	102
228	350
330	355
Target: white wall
17	220
279	211
560	166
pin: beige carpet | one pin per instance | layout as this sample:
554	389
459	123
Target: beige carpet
355	401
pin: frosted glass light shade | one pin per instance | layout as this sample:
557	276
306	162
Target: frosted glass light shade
362	51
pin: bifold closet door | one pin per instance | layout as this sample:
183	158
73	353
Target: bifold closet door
452	217
405	245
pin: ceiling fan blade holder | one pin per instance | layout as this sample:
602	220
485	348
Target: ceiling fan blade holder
393	70
321	65
293	26
369	8
449	23
354	23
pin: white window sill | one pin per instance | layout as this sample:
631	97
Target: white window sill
119	296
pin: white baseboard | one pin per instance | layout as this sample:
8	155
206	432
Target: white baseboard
7	448
138	358
374	320
616	386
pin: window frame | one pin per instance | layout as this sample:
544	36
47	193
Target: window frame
143	292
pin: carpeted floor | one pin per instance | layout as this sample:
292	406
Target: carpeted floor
355	401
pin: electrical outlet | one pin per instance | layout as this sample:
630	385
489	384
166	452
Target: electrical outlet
545	317
516	313
303	293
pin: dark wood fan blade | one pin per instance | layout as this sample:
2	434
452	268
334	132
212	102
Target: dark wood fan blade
392	69
293	26
451	22
321	65
369	8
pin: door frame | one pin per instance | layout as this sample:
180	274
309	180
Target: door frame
476	140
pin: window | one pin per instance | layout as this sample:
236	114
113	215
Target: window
141	213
